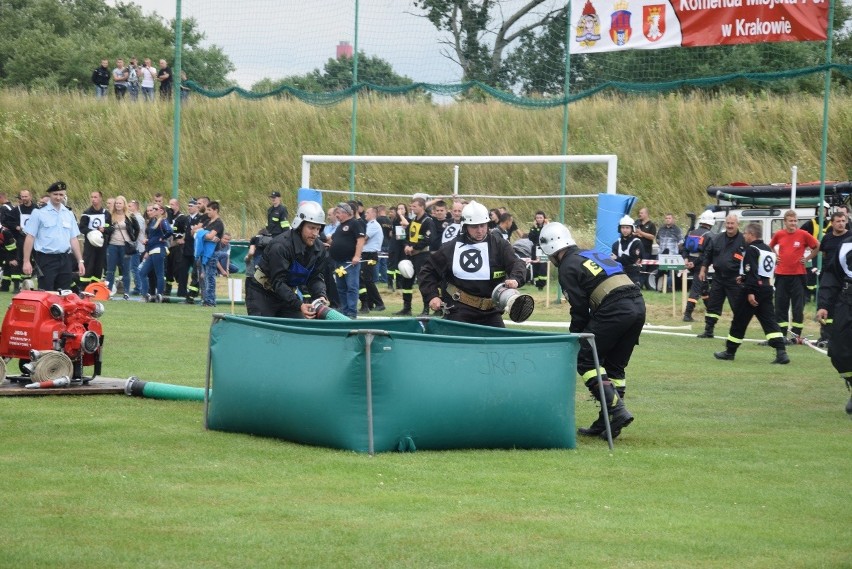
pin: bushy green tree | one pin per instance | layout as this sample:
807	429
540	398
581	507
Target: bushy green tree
55	44
337	75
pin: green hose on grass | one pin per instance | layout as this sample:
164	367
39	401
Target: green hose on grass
135	387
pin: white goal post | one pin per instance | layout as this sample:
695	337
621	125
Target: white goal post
611	160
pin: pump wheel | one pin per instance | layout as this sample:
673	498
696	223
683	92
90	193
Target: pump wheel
52	365
2	369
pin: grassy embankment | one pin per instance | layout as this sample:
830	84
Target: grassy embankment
236	151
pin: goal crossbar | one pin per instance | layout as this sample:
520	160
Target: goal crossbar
611	160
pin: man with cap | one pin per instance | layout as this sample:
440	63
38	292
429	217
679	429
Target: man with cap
276	216
347	242
605	302
51	234
93	223
292	263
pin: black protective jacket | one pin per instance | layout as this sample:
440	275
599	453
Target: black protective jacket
467	274
725	254
581	271
289	264
756	261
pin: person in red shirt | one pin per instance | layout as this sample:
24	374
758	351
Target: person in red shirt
790	273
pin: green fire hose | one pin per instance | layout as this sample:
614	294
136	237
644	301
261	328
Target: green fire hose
135	387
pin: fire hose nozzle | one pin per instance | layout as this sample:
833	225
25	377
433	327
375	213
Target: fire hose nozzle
63	381
519	306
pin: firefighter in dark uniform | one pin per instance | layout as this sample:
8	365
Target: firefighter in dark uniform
539	270
8	259
277	217
293	260
830	283
606	303
693	253
812	226
756	271
95	218
724	252
471	265
14	222
627	251
840	346
416	250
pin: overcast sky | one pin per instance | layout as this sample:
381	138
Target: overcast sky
277	38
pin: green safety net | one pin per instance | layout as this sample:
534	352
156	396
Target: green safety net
508	97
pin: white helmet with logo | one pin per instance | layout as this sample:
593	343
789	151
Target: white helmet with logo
95	237
309	211
706	218
474	213
626	220
554	237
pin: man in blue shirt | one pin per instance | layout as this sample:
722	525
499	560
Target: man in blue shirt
368	292
51	235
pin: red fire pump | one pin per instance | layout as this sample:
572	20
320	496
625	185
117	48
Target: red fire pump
53	335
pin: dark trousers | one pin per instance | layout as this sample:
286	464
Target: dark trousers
54	270
840	346
173	264
790	292
697	290
829	290
182	275
463	313
616	324
765	313
94	259
721	287
262	302
407	285
368	293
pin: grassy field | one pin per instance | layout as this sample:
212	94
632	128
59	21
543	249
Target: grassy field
670	148
728	464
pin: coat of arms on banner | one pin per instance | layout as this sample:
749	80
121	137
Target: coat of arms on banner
588	26
620	29
654	21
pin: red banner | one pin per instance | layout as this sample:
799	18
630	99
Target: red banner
651	24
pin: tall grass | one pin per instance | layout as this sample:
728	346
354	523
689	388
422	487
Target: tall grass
670	147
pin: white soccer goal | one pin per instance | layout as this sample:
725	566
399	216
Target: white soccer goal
611	161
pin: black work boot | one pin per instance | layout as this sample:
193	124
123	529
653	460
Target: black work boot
708	331
781	356
725	355
687	314
619	416
596	428
406	311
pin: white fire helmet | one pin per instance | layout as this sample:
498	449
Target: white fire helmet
406	268
706	218
474	213
554	237
626	220
309	211
95	237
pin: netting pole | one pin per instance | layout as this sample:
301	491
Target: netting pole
565	90
354	133
824	152
176	94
